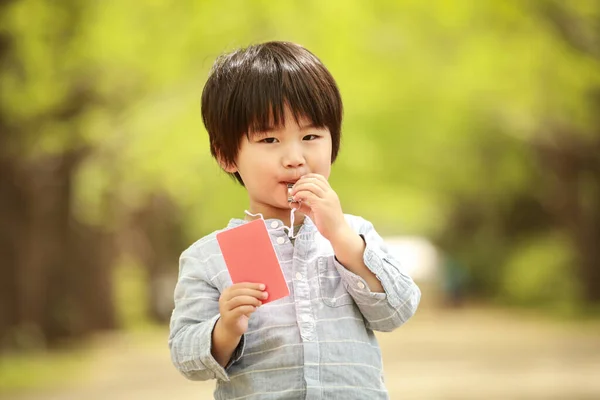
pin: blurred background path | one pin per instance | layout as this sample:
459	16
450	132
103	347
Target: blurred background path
467	353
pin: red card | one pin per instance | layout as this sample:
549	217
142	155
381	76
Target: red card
250	257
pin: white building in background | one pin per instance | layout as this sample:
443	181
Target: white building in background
418	257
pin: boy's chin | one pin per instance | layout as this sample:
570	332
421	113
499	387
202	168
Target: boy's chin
279	206
285	206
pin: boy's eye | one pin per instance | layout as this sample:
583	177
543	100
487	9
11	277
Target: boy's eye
268	140
310	137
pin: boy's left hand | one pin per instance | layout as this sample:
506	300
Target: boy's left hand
321	203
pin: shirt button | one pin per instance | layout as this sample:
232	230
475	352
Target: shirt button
298	275
274	224
305	318
280	240
360	285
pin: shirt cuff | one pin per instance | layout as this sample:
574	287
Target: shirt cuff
376	260
387	271
357	286
207	359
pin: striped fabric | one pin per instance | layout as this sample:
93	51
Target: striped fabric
318	343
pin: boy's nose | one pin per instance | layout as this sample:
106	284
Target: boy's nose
294	158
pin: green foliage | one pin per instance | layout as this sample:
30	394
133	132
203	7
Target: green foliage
131	295
540	272
443	102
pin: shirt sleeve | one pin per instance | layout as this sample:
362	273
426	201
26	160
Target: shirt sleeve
382	311
193	320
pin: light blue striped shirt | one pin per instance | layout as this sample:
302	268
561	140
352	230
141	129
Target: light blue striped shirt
317	343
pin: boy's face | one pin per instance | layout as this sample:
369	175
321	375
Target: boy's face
268	161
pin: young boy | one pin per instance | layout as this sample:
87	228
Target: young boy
273	113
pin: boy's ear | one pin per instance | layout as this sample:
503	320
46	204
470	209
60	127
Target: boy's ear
227	167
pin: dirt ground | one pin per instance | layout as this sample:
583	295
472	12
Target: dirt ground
466	353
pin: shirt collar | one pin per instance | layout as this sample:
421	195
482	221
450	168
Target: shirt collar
307	226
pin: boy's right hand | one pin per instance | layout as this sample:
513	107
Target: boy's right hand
237	303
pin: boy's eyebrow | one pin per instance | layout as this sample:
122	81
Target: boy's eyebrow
259	133
272	129
308	126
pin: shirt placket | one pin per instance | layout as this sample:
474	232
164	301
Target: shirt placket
306	318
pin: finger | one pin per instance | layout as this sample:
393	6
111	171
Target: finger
242	310
248	285
242	301
318	180
311	185
259	294
306	198
231	291
319	177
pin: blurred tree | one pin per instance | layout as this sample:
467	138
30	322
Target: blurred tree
536	145
55	269
573	156
156	240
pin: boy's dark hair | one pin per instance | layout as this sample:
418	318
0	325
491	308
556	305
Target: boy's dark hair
247	91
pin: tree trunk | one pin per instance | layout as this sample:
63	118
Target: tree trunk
12	209
573	187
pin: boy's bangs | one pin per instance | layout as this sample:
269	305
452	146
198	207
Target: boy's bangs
268	95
